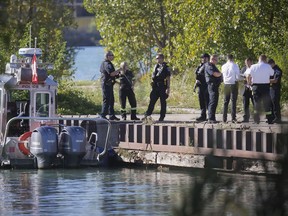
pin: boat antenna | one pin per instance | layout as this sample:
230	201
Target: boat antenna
35	42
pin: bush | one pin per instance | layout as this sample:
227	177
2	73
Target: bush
74	101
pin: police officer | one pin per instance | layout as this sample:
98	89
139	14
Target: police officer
126	91
203	95
108	75
213	78
160	86
259	76
247	91
275	88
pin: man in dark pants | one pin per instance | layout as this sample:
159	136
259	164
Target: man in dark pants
259	75
160	87
247	91
213	78
126	91
275	91
201	85
230	73
108	75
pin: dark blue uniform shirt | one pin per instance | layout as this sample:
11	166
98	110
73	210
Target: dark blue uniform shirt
161	72
277	76
126	80
200	73
209	70
106	68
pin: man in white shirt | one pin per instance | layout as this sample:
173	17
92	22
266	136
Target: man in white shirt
259	76
231	74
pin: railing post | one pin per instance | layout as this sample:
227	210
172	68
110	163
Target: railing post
161	135
169	136
186	136
127	134
177	136
152	135
264	142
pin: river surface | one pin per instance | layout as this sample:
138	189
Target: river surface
117	191
89	191
87	62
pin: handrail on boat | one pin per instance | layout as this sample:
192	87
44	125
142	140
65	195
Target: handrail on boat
20	117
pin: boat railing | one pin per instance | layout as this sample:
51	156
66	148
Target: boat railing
61	120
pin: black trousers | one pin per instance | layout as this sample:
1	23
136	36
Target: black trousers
108	99
213	90
124	94
275	98
203	97
247	97
262	100
230	92
158	91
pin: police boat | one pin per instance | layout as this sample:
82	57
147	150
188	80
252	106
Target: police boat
32	135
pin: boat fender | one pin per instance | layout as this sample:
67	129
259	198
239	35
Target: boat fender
21	143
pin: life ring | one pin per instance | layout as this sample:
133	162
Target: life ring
21	143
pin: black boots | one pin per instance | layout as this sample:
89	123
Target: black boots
124	117
133	115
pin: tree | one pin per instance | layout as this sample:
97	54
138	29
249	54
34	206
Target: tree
48	19
183	29
134	30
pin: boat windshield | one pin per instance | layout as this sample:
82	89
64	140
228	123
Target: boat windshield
42	104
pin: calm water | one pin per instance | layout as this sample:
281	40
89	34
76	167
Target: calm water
122	191
89	192
87	62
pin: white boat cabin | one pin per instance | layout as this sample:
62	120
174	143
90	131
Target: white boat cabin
20	96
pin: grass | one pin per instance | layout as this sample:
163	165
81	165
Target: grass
181	99
181	94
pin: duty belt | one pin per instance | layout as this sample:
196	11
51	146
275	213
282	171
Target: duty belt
159	83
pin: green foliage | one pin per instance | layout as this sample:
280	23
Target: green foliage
131	28
72	100
182	30
47	19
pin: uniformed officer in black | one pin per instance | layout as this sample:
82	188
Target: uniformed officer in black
247	91
126	91
201	85
108	75
275	91
213	78
160	86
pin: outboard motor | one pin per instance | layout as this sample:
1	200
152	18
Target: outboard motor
72	145
44	145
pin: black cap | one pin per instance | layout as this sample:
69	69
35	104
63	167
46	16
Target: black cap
271	61
205	55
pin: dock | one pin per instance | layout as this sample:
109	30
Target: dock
180	141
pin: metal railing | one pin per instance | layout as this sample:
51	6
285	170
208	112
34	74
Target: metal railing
251	144
61	121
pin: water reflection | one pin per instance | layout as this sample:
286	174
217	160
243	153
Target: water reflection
89	191
113	192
